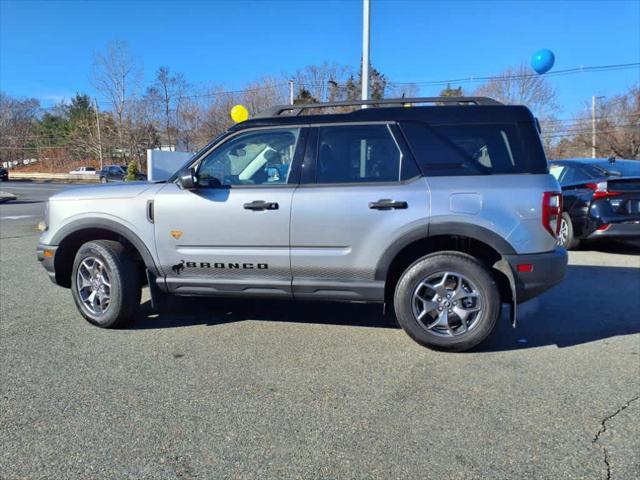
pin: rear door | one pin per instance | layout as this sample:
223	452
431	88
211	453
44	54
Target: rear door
360	191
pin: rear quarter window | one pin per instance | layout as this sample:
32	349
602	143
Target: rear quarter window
476	149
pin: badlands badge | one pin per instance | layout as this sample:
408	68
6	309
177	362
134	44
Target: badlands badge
176	234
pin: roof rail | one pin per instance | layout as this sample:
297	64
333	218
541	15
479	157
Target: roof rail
398	102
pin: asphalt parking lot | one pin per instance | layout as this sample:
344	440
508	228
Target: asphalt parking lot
221	389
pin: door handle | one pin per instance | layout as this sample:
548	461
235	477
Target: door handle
387	204
261	205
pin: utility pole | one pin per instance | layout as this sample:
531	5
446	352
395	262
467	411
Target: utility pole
593	126
291	92
98	125
366	17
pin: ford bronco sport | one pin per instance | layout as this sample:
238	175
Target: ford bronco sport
445	210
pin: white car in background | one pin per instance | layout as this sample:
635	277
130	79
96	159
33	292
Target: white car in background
83	171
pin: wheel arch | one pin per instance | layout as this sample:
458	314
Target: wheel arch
72	236
479	242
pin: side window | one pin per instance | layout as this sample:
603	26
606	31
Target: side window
357	153
261	157
480	149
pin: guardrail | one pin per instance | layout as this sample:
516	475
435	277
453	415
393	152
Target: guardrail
53	177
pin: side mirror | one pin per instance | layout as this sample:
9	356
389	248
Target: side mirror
187	179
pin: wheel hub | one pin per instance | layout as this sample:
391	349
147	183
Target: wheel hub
447	304
94	285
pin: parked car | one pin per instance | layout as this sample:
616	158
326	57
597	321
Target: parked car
83	171
113	173
117	173
4	174
601	199
445	211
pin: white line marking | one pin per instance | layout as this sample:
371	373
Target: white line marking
16	217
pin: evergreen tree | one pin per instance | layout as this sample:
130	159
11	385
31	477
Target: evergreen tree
304	96
451	92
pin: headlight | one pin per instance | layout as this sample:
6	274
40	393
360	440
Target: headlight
42	226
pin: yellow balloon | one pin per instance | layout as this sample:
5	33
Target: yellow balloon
239	113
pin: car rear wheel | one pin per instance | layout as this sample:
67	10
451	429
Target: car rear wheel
448	301
105	283
565	234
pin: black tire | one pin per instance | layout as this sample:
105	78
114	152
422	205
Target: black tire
103	179
455	262
124	276
569	241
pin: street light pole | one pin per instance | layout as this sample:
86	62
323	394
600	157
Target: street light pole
291	92
593	126
98	125
366	16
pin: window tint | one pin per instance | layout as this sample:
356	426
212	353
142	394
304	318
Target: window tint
255	158
357	153
474	149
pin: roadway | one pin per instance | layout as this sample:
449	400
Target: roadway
222	389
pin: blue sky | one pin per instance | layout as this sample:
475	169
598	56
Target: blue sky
47	47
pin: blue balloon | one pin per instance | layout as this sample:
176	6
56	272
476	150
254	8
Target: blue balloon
542	61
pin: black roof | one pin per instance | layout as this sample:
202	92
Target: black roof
446	114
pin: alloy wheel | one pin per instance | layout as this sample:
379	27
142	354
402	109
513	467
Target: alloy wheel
447	304
94	285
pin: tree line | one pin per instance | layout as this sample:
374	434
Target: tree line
127	117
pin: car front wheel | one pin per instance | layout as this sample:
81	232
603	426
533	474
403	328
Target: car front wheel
448	301
105	283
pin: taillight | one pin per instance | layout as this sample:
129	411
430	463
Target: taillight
552	212
601	190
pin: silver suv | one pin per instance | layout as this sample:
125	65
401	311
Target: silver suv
446	212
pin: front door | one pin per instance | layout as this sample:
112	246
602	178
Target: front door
230	235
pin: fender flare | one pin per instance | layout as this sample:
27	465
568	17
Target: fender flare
113	226
475	232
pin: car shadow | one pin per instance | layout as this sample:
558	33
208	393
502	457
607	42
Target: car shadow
592	303
620	246
25	202
187	311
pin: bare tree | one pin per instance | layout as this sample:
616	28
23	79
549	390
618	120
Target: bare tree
117	75
17	128
618	125
617	129
263	94
520	86
170	92
321	81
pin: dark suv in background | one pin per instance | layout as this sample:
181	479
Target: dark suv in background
601	199
117	173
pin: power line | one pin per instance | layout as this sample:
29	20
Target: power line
557	73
